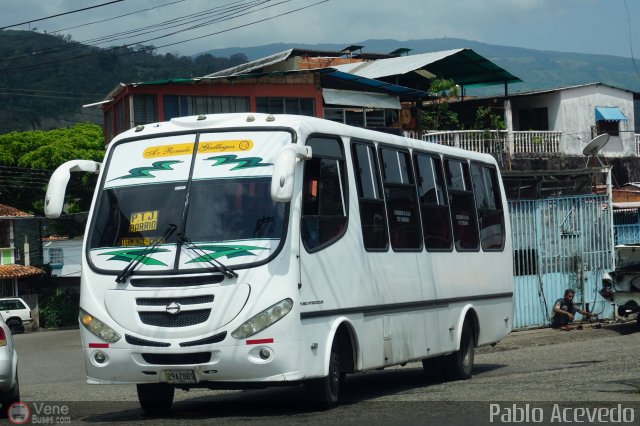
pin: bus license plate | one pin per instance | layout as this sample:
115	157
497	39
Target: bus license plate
179	376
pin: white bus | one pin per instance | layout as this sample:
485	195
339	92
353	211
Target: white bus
253	249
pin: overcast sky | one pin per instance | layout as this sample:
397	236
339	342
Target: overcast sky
609	27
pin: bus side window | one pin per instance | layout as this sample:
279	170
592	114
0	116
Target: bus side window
400	196
436	218
370	200
324	207
486	190
463	209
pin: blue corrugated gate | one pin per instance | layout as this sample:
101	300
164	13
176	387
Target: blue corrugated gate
560	243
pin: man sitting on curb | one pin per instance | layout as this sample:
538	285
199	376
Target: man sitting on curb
564	310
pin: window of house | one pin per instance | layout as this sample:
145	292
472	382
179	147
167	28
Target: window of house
401	199
534	119
182	106
358	118
324	203
296	106
144	109
608	126
370	199
486	190
436	218
56	255
463	209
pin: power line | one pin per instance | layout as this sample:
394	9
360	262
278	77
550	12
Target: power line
61	14
151	48
116	17
234	10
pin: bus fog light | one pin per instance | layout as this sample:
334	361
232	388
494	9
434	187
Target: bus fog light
265	353
264	319
100	357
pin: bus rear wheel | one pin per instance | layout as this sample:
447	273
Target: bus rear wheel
155	398
325	391
459	365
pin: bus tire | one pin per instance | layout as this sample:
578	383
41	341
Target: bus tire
324	392
459	365
155	398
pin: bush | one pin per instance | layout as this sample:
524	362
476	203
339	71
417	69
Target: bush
59	308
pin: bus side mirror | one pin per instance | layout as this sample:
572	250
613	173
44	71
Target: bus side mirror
284	170
54	200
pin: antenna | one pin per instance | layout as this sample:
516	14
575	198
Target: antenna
593	147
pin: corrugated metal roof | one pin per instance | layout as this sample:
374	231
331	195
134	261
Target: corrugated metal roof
253	65
360	99
394	66
278	57
464	66
377	84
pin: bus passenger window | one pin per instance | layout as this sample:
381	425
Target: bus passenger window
400	196
436	219
463	209
486	190
324	208
371	202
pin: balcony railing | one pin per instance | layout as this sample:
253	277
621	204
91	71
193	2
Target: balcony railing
496	141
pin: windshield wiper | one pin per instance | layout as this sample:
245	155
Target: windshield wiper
219	266
128	270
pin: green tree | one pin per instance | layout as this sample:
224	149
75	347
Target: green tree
27	159
436	115
486	119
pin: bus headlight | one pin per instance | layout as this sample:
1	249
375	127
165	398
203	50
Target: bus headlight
98	328
264	319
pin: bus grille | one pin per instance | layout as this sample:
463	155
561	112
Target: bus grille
177	359
177	282
164	301
181	319
206	341
132	340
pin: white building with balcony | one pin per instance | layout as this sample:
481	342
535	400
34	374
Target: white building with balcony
558	121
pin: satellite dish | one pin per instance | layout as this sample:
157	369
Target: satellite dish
595	146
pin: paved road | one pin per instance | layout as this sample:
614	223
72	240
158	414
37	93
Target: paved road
595	364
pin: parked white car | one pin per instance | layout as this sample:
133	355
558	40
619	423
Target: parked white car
9	387
16	313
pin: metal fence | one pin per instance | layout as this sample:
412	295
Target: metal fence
559	243
626	223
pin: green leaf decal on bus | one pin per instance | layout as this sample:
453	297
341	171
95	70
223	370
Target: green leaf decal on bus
228	251
241	163
128	255
145	172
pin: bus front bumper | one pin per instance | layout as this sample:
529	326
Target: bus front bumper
270	362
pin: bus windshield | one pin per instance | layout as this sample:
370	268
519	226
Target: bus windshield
220	203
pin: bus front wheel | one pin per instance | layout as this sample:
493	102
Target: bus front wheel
155	398
325	391
459	365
